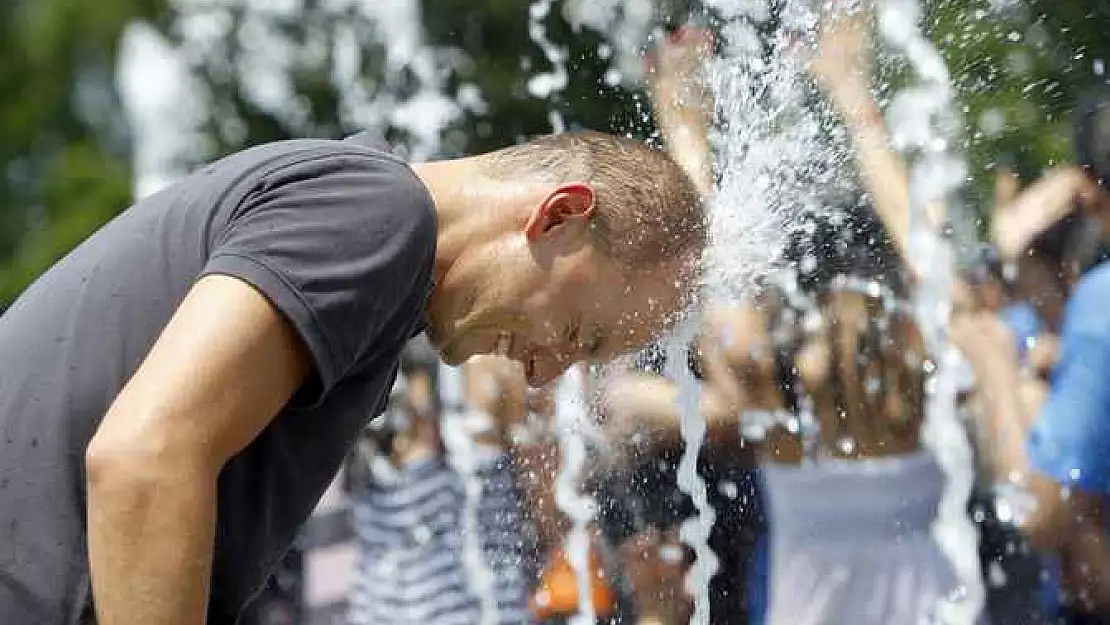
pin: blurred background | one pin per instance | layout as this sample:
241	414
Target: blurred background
103	100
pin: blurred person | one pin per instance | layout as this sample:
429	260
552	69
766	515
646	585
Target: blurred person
1049	452
850	522
983	338
645	507
178	392
410	512
851	495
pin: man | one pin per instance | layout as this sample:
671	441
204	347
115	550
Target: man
177	393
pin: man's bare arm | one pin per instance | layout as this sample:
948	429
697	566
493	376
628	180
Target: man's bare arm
221	370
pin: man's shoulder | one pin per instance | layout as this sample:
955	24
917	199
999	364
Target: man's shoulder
373	183
1086	307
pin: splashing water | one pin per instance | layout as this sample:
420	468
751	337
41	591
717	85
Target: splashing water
573	426
774	156
924	125
547	85
695	530
458	429
627	25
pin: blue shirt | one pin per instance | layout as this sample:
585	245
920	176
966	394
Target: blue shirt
1071	440
1024	323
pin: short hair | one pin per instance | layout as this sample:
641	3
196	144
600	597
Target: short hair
647	211
850	242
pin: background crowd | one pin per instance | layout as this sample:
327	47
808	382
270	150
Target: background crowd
814	386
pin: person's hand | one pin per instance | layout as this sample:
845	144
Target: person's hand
1039	206
842	63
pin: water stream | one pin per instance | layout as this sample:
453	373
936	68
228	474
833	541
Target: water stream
573	425
924	124
695	531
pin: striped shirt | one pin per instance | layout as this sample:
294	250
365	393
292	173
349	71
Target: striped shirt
412	562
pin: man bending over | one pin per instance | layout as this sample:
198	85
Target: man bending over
177	393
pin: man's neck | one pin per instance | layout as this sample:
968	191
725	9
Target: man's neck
473	211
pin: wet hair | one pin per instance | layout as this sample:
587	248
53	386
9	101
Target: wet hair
851	273
648	210
1092	133
851	242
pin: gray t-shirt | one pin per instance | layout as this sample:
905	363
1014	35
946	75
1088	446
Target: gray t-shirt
339	236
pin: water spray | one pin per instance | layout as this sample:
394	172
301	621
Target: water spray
924	124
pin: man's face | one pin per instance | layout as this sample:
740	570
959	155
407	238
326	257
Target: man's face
581	308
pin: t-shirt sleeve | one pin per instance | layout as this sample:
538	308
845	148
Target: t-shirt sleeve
341	244
1070	438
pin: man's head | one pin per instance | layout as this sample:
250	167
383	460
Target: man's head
573	247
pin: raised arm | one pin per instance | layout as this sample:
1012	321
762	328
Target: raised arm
682	102
842	68
1058	470
224	366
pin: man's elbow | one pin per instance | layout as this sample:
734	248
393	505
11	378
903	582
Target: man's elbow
122	459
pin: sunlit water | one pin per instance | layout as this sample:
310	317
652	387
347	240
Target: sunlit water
695	531
458	428
573	425
924	124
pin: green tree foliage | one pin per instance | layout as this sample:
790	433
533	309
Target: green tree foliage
63	157
483	44
1019	68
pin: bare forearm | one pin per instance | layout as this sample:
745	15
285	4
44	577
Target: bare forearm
1006	419
688	145
883	173
151	538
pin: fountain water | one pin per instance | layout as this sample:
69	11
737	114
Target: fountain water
924	124
775	156
572	420
547	84
458	428
695	531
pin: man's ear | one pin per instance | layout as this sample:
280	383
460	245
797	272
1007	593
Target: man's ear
566	203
